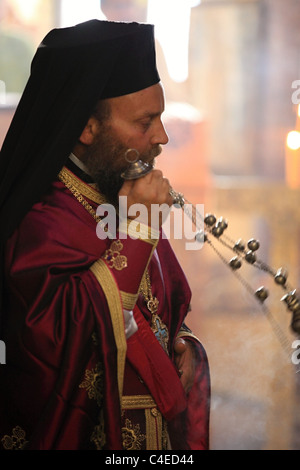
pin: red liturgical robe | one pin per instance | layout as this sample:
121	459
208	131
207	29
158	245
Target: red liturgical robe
72	380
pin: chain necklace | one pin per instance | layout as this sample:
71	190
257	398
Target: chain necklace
146	291
158	327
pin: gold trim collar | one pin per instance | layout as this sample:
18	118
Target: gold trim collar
86	190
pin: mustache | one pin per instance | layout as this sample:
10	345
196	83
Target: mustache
148	157
151	155
156	151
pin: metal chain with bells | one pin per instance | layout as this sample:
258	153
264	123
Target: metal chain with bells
248	253
216	228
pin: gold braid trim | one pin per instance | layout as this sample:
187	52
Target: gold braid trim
79	189
128	300
136	402
112	294
154	426
138	230
72	182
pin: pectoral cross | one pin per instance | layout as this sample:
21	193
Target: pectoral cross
161	332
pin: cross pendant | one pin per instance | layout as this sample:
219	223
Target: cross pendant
161	332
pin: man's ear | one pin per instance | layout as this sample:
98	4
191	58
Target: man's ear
89	132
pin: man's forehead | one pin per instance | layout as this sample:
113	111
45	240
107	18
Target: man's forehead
147	102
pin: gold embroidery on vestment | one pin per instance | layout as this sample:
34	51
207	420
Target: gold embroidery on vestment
132	436
93	384
16	441
98	437
156	425
113	257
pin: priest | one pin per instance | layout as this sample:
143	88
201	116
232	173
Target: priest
98	354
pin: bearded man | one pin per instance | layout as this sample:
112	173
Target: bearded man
97	352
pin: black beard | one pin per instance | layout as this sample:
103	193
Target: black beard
105	161
102	160
109	183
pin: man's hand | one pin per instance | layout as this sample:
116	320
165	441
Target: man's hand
148	190
185	362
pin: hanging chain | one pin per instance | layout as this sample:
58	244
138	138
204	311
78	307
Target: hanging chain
216	229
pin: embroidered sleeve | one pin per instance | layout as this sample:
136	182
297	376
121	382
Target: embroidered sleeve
128	257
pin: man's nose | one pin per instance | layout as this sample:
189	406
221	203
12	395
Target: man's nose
160	137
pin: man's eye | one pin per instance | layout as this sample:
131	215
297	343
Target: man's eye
145	124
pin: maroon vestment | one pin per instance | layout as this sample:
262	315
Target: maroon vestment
72	381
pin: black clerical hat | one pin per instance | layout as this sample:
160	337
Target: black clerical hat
130	46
